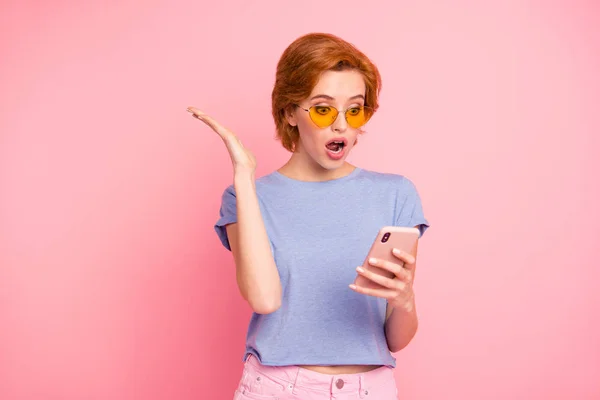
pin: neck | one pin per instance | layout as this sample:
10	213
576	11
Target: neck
303	168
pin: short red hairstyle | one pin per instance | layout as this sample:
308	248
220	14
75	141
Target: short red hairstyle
300	68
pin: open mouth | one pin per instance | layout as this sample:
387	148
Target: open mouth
336	146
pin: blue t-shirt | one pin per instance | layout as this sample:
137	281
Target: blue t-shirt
319	233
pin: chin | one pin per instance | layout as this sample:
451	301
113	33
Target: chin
330	164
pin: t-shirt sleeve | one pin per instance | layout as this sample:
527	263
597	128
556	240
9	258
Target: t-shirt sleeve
410	209
227	215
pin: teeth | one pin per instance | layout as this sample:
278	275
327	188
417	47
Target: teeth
339	144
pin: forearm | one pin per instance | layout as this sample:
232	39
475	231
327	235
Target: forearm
256	272
400	327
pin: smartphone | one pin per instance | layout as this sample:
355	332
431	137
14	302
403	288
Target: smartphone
388	238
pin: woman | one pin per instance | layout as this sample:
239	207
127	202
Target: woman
298	234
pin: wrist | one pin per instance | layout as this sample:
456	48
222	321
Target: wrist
406	307
243	177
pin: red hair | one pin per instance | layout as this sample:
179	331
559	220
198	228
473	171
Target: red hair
299	69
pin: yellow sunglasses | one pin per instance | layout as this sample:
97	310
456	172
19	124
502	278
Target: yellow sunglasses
324	116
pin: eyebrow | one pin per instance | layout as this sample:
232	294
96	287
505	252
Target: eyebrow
324	96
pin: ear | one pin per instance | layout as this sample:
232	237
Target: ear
290	115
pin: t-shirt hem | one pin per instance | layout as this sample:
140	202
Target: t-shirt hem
281	363
287	364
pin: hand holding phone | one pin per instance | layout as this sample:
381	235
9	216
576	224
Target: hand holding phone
388	238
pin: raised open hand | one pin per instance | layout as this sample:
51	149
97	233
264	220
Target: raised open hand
242	159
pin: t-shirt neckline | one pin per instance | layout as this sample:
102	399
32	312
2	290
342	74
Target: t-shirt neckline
354	172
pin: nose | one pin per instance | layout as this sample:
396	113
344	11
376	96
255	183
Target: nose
340	124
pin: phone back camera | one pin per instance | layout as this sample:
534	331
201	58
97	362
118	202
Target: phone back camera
385	237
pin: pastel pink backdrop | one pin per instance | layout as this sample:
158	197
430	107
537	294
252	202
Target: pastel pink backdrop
113	284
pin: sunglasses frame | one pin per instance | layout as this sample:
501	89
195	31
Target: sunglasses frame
336	117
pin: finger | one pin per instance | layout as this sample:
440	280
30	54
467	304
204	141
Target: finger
384	281
195	110
383	293
232	143
408	259
396	269
210	125
225	133
209	121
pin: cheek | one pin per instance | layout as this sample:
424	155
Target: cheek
305	126
309	135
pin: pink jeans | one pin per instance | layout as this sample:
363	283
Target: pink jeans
286	383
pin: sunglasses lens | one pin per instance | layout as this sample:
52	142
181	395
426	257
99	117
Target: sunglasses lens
358	116
323	116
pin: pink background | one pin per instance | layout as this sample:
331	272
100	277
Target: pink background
113	284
